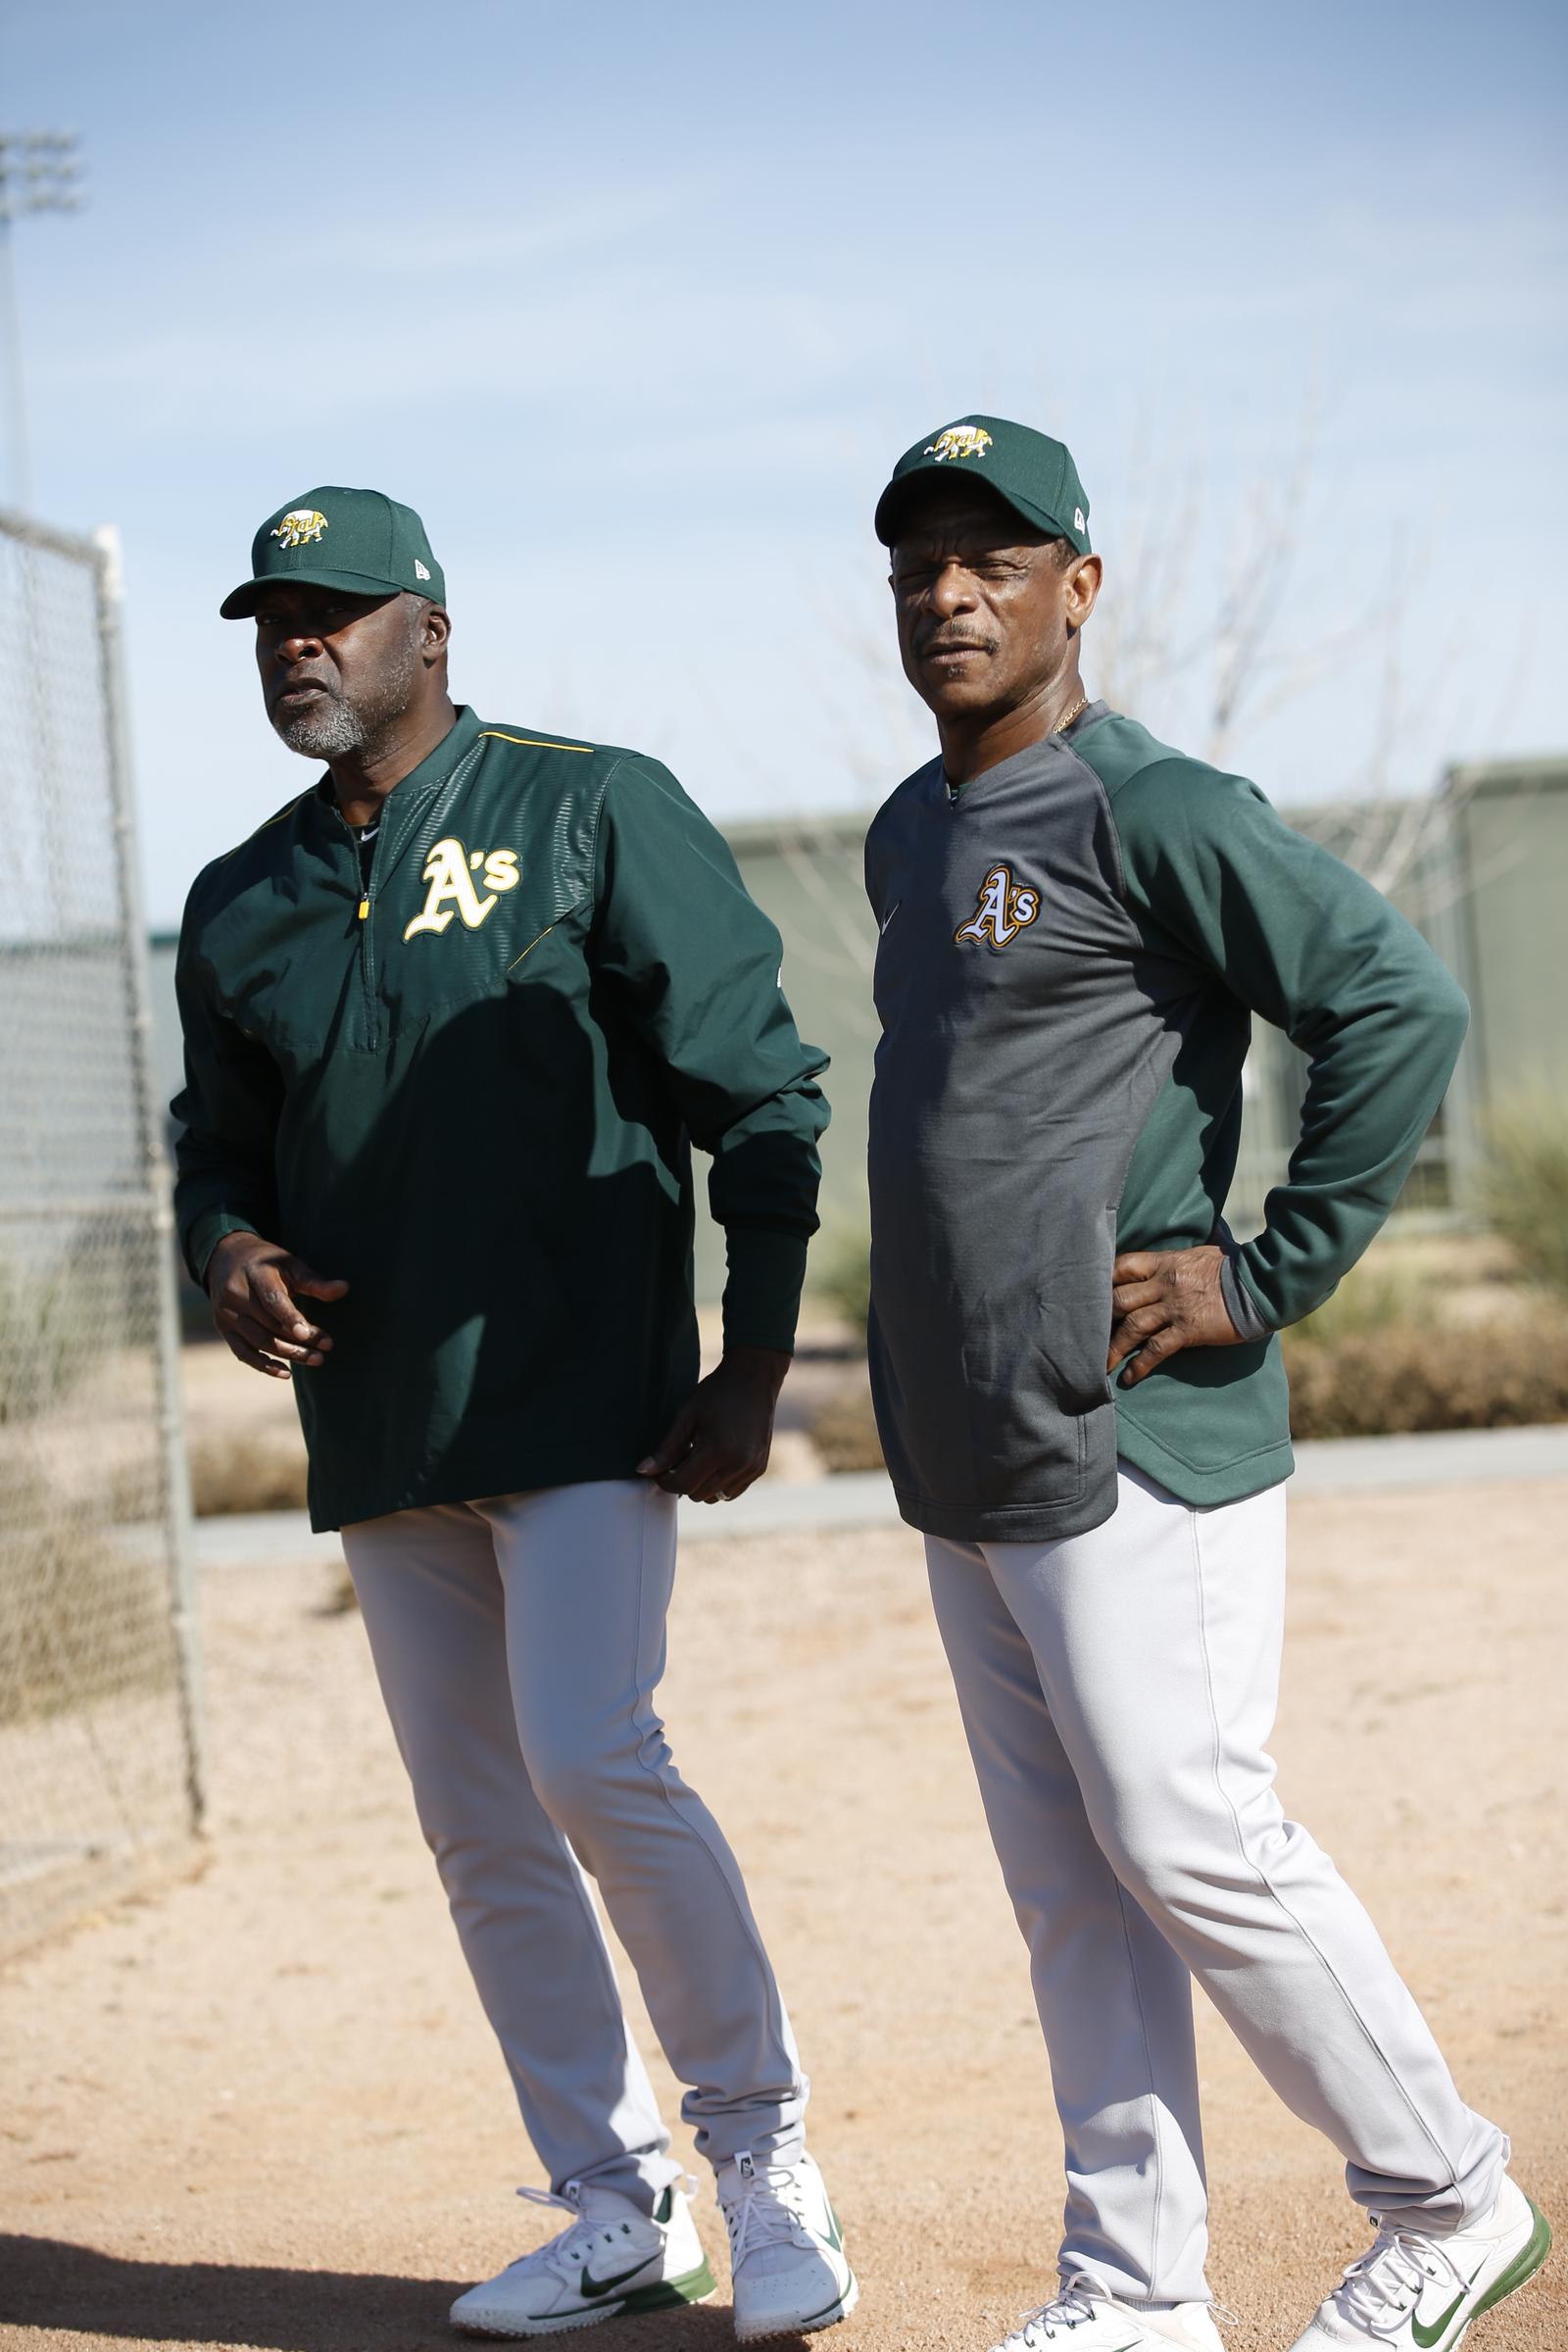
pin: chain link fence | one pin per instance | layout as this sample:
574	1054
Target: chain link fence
100	1766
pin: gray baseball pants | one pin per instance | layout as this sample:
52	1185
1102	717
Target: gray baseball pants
518	1641
1119	1689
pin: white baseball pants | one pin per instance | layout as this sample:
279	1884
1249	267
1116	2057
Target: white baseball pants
518	1641
1119	1689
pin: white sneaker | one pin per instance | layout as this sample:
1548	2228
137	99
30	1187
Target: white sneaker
1086	2317
1412	2293
613	2258
786	2250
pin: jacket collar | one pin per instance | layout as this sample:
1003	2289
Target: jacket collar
433	771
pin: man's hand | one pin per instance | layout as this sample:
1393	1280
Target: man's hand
253	1285
718	1442
1163	1300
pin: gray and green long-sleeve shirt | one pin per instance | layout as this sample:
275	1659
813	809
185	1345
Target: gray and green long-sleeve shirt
469	1082
1071	950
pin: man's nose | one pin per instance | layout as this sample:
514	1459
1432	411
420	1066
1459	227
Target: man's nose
953	591
298	645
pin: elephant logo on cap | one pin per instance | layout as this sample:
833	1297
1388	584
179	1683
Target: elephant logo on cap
300	528
958	441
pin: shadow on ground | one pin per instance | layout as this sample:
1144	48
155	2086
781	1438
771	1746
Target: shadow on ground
47	2282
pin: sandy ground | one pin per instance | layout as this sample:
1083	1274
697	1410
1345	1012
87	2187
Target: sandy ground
261	2108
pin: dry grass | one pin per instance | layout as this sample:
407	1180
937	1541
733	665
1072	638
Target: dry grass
1355	1371
1526	1184
82	1614
1418	1377
260	1470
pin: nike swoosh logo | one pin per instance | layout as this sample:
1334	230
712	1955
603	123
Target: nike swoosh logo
891	913
1426	2337
590	2285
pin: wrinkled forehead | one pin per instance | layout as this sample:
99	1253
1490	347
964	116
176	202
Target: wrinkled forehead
959	517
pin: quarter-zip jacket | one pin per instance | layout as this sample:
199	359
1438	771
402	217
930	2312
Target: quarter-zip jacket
1071	950
470	1087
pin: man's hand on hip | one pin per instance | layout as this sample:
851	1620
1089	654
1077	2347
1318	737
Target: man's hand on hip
253	1285
718	1443
1163	1300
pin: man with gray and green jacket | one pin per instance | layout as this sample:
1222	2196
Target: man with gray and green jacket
1077	925
453	1019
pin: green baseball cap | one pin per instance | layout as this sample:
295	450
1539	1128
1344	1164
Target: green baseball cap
360	541
1035	474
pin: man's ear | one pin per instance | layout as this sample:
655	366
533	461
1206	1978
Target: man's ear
437	631
1084	576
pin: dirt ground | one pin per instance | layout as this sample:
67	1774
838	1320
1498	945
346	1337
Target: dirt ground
260	2108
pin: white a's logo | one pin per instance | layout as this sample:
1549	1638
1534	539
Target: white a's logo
1002	910
958	441
449	869
301	528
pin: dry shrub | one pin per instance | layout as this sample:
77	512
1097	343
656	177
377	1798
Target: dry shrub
82	1617
1385	1292
1525	1184
841	1273
1404	1378
844	1431
1371	1383
251	1471
52	1319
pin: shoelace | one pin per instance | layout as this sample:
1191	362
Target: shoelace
570	2250
1384	2287
1072	2308
767	2210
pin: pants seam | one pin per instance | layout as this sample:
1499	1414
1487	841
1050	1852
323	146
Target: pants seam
1261	1875
1153	2101
772	1999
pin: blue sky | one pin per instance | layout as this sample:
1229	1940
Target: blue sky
638	306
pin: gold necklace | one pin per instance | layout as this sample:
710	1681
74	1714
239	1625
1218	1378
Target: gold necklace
1060	728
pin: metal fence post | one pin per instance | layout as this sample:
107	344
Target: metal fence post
172	1419
101	1758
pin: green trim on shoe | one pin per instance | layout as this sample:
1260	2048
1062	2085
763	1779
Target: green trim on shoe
695	2287
1523	2268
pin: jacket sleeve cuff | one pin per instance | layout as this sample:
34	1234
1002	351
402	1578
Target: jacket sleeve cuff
763	1295
1242	1308
204	1235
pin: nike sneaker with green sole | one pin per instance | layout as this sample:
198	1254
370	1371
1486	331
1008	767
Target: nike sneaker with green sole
1086	2317
788	2269
1412	2293
612	2261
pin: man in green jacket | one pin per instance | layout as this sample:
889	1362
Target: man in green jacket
1076	926
454	1018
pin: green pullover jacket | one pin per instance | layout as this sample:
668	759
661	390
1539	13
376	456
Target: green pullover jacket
1071	951
469	1085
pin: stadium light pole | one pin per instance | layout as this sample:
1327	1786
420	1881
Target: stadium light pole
39	172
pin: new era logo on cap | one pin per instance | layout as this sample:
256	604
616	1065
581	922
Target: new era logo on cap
419	571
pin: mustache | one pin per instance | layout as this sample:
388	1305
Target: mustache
957	645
